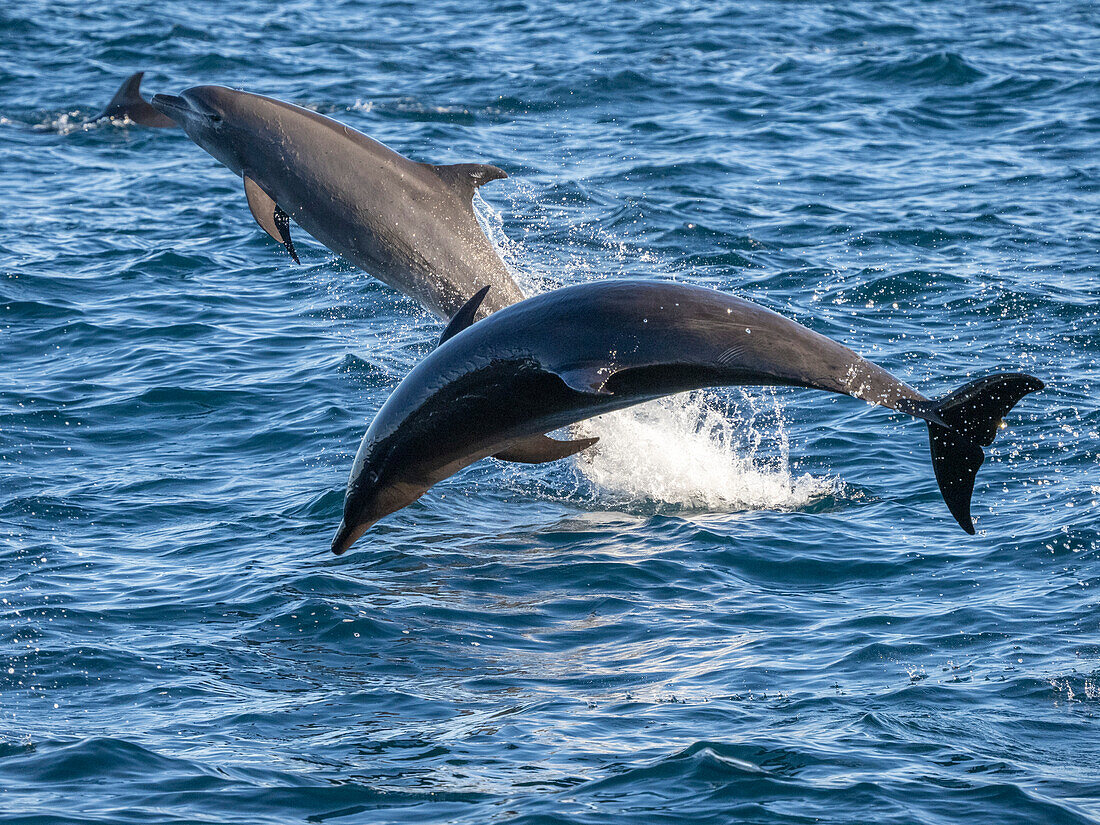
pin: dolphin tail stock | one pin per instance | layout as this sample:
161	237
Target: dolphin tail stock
960	425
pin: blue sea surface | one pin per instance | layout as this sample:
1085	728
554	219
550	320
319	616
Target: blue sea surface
748	606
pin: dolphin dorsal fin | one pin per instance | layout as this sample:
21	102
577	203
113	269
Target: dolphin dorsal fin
541	448
128	93
272	220
128	103
465	315
467	177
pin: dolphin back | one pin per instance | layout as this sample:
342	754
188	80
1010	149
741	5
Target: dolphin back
641	338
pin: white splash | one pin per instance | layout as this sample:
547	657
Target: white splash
689	451
63	124
69	122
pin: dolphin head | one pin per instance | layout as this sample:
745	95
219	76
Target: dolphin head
372	494
216	118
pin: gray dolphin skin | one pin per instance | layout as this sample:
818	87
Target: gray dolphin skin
581	351
409	224
128	104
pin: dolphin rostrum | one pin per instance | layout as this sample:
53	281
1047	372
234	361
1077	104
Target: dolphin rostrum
409	224
129	104
581	351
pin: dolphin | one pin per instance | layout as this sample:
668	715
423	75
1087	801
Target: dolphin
581	351
409	224
129	104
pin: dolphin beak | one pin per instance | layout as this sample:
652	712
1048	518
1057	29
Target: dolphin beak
170	105
347	536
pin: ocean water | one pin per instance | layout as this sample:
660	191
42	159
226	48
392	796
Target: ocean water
748	606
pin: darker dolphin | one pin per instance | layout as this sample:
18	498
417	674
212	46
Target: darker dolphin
409	224
128	104
581	351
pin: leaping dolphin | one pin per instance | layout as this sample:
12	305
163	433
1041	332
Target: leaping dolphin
581	351
129	104
409	224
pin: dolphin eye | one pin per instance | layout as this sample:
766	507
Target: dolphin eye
216	118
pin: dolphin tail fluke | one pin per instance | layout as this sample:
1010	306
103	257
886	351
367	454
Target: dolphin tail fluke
970	417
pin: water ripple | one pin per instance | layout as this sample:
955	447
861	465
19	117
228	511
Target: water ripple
746	606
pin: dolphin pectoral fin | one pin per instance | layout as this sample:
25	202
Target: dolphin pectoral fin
465	315
282	223
541	448
467	177
589	380
272	220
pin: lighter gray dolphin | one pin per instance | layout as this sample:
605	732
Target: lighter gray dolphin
409	224
129	104
578	352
